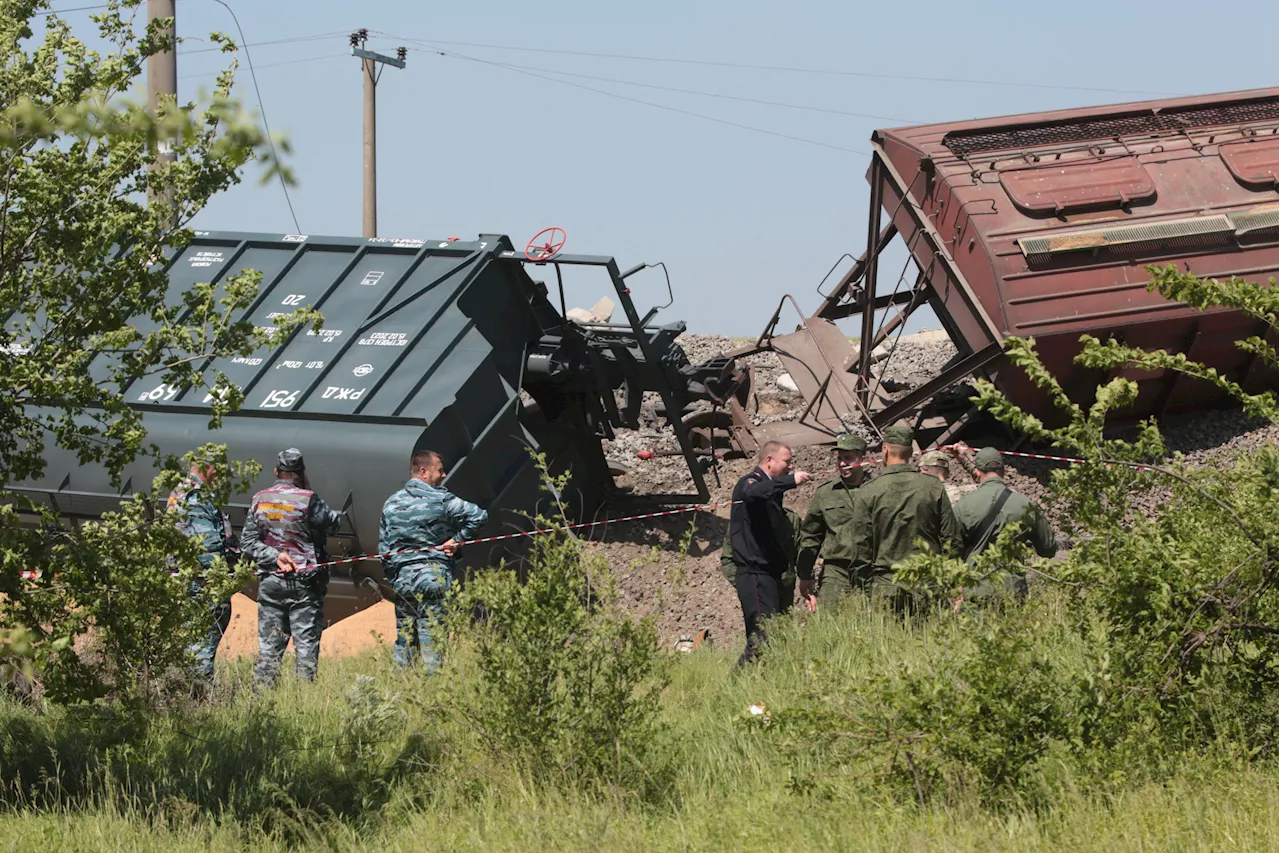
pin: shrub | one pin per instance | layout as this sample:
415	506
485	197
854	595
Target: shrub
568	681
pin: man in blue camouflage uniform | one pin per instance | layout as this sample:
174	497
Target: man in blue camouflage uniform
284	534
421	527
202	520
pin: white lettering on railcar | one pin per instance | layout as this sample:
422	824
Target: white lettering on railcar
206	259
384	339
336	393
160	392
283	399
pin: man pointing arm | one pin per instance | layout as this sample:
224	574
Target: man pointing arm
757	531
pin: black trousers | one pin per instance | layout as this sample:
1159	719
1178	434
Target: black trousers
759	595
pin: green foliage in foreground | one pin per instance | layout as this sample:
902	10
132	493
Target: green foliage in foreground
372	758
86	313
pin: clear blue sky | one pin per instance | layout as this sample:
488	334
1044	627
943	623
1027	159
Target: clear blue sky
740	217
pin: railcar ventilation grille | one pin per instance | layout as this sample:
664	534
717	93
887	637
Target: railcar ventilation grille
1107	238
1246	221
963	143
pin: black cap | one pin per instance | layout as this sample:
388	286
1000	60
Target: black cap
290	460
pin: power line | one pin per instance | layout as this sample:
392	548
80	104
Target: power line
698	92
608	94
316	37
76	9
796	70
273	64
262	109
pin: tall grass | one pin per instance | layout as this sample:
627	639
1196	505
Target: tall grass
370	757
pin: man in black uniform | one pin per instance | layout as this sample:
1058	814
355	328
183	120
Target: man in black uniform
757	534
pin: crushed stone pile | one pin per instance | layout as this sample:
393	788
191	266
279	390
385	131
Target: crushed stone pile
685	588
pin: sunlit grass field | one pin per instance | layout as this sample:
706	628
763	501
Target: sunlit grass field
387	766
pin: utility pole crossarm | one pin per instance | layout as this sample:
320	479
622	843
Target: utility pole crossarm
369	61
376	57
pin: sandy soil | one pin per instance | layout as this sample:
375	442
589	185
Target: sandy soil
365	631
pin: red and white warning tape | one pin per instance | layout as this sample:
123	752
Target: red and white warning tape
36	575
523	533
1072	459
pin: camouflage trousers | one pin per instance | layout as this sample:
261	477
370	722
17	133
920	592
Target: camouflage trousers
211	628
289	607
419	603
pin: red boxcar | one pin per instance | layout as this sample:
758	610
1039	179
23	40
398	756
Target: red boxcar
1050	219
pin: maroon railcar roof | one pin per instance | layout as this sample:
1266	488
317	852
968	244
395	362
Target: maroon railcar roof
1052	218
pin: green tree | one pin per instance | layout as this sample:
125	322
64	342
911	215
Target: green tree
83	296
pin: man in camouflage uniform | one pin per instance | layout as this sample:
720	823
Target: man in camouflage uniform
420	529
895	510
281	535
827	527
992	507
937	464
202	520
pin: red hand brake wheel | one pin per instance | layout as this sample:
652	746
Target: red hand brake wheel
556	238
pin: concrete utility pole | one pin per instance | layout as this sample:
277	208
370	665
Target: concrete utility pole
369	62
162	80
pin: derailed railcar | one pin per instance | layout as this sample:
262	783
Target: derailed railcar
1042	225
425	344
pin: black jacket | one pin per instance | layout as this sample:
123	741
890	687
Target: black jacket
758	524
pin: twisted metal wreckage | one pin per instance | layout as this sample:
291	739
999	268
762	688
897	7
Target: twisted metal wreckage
1031	225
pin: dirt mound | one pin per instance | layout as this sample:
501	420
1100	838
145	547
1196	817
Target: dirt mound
685	588
369	629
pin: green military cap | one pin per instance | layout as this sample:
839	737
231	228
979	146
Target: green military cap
851	441
988	459
899	435
935	459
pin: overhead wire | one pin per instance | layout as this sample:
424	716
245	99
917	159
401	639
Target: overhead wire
795	69
270	65
719	95
668	108
262	109
294	40
74	9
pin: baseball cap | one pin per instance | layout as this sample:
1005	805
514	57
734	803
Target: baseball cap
935	459
851	441
290	460
899	435
988	459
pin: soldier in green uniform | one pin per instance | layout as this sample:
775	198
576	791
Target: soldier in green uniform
787	586
936	464
893	512
827	524
991	507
